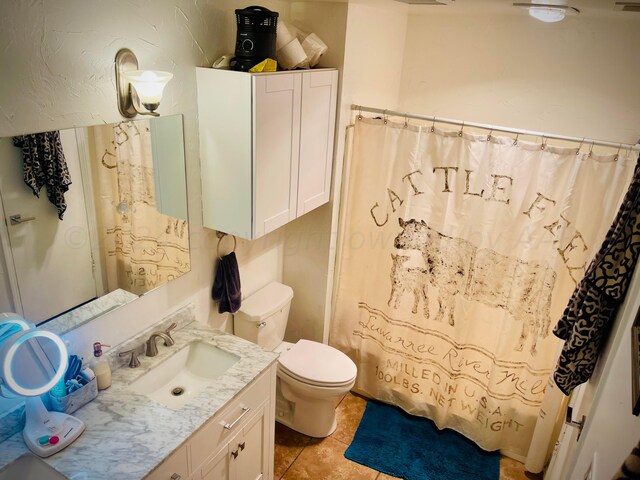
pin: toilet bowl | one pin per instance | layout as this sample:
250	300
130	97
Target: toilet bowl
311	376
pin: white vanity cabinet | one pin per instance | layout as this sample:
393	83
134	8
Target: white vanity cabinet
266	146
236	444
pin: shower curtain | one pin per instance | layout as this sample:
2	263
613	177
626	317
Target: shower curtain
142	248
457	256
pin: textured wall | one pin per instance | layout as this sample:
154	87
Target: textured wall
56	59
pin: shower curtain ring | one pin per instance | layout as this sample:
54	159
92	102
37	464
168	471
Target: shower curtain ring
490	135
544	143
384	116
618	152
580	147
515	142
359	112
433	124
591	150
406	120
461	128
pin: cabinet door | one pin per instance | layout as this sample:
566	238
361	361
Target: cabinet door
251	462
173	468
218	466
318	118
243	457
276	141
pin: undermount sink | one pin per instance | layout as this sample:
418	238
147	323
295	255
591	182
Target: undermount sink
175	381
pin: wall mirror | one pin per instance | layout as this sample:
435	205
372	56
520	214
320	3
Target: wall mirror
123	230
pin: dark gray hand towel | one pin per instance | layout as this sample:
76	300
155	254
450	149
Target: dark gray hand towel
226	285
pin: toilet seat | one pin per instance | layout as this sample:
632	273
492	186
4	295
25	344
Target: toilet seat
314	363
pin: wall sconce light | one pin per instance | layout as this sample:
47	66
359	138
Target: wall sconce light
139	91
548	12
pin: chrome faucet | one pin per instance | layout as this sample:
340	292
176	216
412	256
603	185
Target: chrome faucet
152	348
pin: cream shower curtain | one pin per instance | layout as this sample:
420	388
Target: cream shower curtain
142	248
458	253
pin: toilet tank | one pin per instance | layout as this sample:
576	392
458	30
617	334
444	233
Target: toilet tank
263	316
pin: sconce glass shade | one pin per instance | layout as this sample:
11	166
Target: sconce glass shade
149	85
139	91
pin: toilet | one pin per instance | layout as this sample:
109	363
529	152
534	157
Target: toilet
311	376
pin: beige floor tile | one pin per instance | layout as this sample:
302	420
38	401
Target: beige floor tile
300	457
348	415
289	444
511	469
384	476
325	461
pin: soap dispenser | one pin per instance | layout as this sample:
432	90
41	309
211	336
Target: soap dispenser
100	367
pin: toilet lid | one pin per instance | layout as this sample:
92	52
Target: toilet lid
318	364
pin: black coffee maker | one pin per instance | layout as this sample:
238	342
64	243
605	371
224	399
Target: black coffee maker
256	37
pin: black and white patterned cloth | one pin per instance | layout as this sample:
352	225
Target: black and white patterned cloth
587	319
44	164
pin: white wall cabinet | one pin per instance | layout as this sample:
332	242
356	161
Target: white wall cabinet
244	451
266	146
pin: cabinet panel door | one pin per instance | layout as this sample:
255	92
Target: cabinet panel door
218	466
251	463
318	118
175	464
276	126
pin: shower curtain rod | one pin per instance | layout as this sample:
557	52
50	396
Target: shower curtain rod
496	128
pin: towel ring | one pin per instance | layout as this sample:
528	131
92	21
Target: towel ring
221	236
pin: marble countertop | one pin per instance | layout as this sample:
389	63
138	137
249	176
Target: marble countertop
128	435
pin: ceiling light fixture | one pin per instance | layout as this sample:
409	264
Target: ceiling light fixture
548	12
139	91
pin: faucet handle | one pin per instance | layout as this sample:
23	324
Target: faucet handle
170	342
133	362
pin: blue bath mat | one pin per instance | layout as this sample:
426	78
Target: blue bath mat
398	444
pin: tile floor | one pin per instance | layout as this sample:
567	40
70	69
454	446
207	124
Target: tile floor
300	457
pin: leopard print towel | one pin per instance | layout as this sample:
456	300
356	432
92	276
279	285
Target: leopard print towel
587	318
44	164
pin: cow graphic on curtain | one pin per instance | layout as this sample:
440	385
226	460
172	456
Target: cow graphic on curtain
456	267
457	256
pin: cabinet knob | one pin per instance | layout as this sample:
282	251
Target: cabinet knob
234	454
175	476
241	446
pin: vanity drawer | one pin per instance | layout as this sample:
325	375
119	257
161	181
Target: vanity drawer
240	410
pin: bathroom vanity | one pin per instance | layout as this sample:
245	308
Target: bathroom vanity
240	437
224	429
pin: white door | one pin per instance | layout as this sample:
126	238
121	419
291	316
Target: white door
566	448
275	150
318	118
52	258
610	429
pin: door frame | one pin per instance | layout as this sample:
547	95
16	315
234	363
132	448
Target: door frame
14	289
